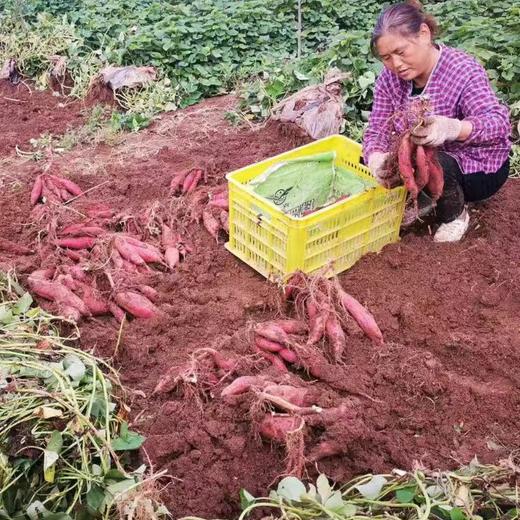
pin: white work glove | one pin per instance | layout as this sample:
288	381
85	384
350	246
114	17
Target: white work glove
436	130
376	163
385	177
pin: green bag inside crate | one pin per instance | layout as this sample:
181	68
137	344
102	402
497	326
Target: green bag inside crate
300	186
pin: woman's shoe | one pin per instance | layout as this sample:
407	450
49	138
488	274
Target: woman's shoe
453	231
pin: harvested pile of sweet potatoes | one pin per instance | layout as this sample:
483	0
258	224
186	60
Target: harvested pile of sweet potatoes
105	249
323	308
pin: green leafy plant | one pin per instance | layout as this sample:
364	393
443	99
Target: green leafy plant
62	435
475	492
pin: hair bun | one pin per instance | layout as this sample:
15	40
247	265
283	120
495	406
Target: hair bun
416	3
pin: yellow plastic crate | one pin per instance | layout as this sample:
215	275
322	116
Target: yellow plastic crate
276	244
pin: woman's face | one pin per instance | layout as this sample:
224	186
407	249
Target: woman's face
407	56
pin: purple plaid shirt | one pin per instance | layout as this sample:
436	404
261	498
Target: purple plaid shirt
459	88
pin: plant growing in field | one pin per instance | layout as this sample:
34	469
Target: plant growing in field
62	422
475	491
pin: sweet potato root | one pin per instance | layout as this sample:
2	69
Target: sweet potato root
172	256
288	355
404	156
327	448
317	326
274	359
211	224
224	220
58	293
436	179
149	292
12	247
83	242
292	394
273	332
276	427
336	337
136	304
267	345
223	363
116	311
36	191
242	385
422	172
363	317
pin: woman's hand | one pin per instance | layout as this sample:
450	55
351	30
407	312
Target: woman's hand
439	129
377	167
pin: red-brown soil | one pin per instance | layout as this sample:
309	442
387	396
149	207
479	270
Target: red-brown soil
443	389
28	113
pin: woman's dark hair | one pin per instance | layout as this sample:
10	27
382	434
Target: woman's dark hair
404	18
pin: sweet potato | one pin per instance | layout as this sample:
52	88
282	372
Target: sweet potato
117	312
42	274
404	156
219	203
336	336
168	238
96	304
292	326
293	395
224	220
267	345
288	355
150	256
294	285
211	224
363	317
69	282
36	191
223	363
177	181
317	326
276	427
49	196
12	247
327	449
242	385
116	259
82	242
74	255
271	331
273	358
67	184
65	195
128	251
52	187
76	271
422	172
436	180
136	304
84	230
70	313
57	292
195	180
188	180
73	229
172	257
149	292
100	212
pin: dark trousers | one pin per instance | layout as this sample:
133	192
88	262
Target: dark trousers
460	188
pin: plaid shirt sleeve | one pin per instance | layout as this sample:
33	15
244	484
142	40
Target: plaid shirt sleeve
377	133
480	105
